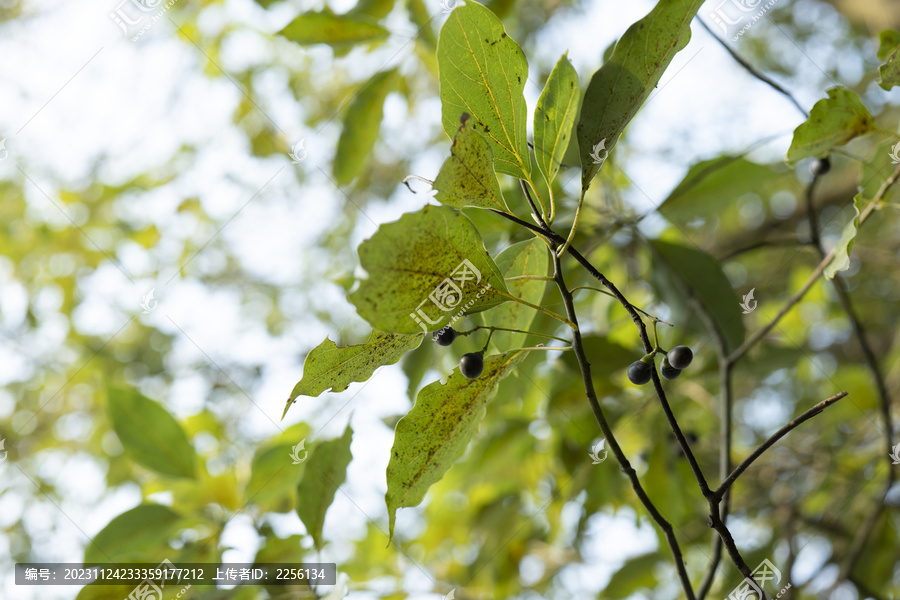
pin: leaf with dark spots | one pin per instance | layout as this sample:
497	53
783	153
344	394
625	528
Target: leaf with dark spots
424	270
435	433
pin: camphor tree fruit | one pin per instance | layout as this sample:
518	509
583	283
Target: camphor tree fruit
680	357
471	365
668	371
820	166
639	372
444	337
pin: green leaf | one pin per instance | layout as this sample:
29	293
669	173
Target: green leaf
832	122
619	88
435	433
136	535
329	366
694	274
483	73
273	477
377	9
877	167
418	14
335	30
701	191
634	575
324	474
877	563
524	258
360	129
151	436
105	591
424	270
554	117
467	178
841	260
415	364
889	52
610	355
888	40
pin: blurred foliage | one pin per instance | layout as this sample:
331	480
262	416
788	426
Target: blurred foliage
519	513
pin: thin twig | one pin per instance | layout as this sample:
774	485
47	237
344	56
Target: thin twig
814	276
640	310
495	328
625	465
528	278
751	69
862	533
714	520
809	414
724	462
547	233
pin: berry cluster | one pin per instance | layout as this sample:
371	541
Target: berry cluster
675	361
471	365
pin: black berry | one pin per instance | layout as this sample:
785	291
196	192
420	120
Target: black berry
668	371
680	357
471	365
820	166
444	337
639	372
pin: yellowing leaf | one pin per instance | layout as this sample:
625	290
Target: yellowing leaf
467	178
435	433
334	30
833	121
424	270
483	73
328	366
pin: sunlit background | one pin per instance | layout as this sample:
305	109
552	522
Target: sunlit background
164	165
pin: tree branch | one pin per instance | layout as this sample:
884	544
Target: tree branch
724	463
863	533
751	69
629	471
814	276
714	518
809	414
